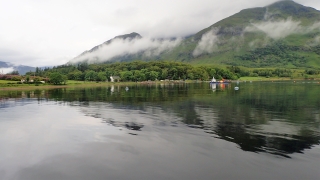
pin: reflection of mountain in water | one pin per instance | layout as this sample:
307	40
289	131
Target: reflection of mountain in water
273	118
279	144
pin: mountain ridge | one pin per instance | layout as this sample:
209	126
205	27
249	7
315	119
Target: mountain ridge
231	39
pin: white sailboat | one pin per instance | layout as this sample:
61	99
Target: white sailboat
213	80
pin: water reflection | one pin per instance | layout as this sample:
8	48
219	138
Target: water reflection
274	118
169	131
134	126
213	86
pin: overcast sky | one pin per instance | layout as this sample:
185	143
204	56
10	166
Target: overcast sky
51	32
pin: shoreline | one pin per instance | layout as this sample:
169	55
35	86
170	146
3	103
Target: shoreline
50	86
95	84
82	84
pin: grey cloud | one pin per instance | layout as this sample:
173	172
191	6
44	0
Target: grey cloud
59	29
181	18
118	47
273	29
281	29
208	43
314	42
278	29
315	26
317	39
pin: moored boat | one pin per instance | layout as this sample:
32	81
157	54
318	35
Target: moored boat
214	81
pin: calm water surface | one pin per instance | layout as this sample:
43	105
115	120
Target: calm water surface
170	131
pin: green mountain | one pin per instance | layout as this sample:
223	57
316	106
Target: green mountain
283	34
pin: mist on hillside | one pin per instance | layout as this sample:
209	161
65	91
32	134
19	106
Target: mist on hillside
208	43
317	40
281	29
314	42
121	47
274	30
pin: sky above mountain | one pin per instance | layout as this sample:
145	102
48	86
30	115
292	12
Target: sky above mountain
46	33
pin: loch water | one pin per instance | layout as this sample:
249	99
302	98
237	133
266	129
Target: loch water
262	130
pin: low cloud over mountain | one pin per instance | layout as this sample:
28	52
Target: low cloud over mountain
285	26
121	46
208	43
282	28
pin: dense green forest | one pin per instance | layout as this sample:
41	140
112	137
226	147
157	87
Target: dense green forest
138	71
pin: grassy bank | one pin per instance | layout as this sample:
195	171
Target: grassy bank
12	85
264	79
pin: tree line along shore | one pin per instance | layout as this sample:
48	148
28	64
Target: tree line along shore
139	71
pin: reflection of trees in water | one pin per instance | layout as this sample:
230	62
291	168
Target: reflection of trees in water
238	115
241	119
244	117
188	113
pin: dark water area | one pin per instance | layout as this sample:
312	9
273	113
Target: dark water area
264	130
